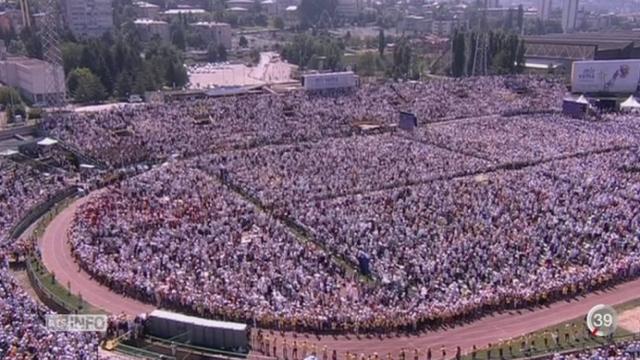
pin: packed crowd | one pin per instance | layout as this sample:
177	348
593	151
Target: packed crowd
151	132
336	167
452	247
23	334
175	237
530	138
21	188
445	249
472	97
616	172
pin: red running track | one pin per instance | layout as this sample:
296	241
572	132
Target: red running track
57	257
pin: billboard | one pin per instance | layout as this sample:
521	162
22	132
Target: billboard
324	81
605	76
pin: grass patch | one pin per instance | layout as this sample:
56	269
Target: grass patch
45	282
56	292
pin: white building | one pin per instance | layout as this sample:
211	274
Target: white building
193	13
545	9
31	77
491	4
415	23
569	15
88	18
214	32
349	8
145	10
148	29
291	17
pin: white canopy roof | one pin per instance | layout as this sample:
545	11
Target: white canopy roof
87	166
47	142
574	98
630	103
582	100
8	152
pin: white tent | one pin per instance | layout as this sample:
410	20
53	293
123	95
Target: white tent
87	166
577	99
582	100
47	142
630	103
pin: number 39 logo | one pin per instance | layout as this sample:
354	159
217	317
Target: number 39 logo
602	320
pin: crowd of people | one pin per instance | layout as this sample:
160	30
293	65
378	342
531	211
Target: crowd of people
155	131
449	247
21	188
452	248
176	237
23	333
529	138
449	234
335	167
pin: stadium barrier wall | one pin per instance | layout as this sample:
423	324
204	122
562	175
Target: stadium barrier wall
52	301
39	210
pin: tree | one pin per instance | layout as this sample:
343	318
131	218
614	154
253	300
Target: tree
176	75
366	65
520	20
278	23
471	57
71	55
401	59
9	96
222	53
212	53
508	22
243	42
381	43
314	52
458	52
88	87
178	37
311	11
520	58
32	43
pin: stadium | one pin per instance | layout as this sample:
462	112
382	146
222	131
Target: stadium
317	224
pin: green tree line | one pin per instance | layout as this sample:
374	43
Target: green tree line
102	68
505	52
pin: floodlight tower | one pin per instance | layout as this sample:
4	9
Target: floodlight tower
55	97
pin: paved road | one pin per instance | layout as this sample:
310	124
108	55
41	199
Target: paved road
491	329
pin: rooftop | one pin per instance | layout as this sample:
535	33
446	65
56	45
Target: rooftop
144	4
184	11
604	41
209	24
149	22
